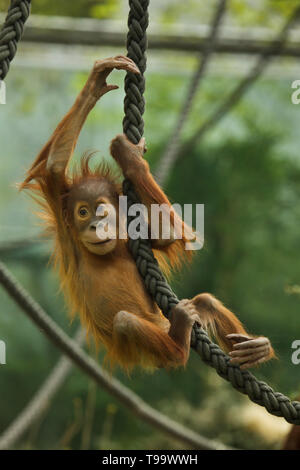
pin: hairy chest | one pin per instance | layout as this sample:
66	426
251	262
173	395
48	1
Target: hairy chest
112	287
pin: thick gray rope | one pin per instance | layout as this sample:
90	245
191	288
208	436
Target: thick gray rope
134	104
11	32
156	284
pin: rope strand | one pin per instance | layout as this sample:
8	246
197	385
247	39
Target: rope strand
11	32
155	282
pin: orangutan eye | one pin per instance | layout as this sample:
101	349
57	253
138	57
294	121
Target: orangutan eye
83	212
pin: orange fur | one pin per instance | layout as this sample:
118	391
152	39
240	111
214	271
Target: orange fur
99	287
102	286
293	439
129	340
159	348
150	193
217	319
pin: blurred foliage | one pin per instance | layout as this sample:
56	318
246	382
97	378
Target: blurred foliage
240	12
262	13
246	172
78	8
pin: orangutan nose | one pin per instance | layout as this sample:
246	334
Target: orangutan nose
93	226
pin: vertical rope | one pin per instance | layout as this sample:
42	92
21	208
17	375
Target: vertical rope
11	32
134	103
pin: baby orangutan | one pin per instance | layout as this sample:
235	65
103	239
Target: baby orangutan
99	276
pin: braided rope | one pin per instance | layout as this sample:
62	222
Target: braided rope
11	32
134	104
155	282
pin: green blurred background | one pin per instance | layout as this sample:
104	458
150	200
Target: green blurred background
247	173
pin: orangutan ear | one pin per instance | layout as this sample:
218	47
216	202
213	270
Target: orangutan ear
66	217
